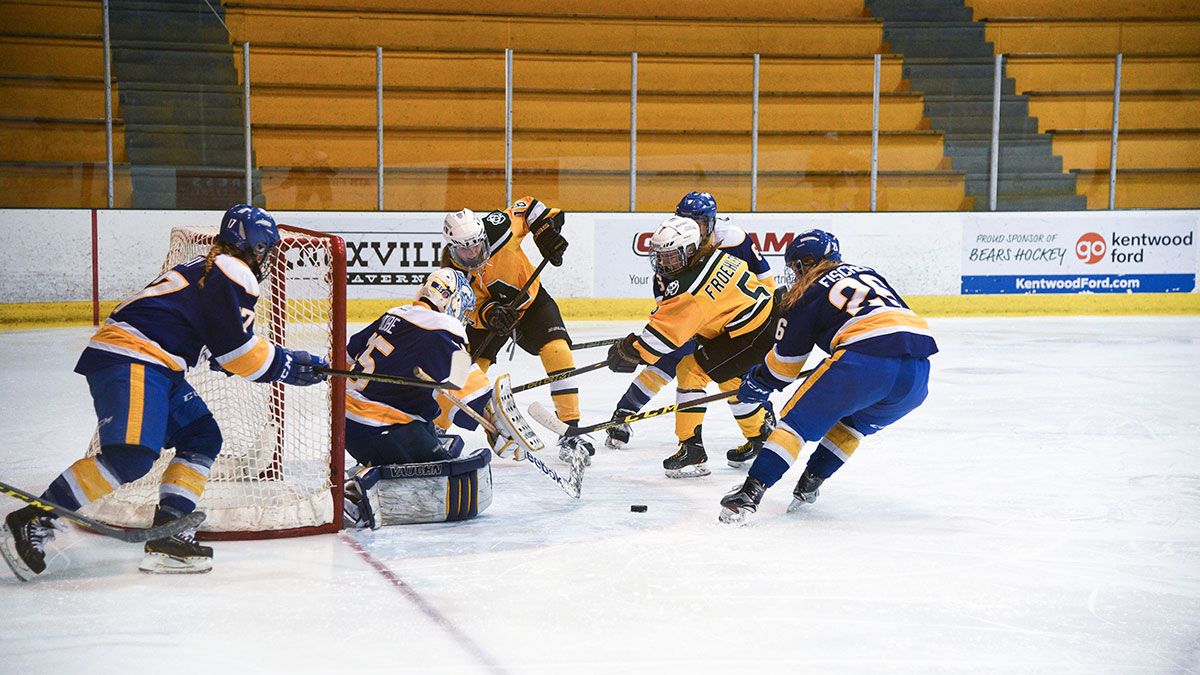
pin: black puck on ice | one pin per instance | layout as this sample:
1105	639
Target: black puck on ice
637	508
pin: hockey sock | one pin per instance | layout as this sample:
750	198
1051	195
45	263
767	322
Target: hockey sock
692	380
779	453
196	446
648	383
556	358
749	416
91	478
835	449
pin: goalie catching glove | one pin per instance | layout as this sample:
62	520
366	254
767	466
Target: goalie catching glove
499	317
623	357
546	225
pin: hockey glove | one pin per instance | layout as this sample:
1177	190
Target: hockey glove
546	225
754	388
499	317
298	368
623	357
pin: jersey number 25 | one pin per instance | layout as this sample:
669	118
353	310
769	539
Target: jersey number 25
850	294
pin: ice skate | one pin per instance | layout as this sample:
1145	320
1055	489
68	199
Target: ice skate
742	502
579	445
175	555
806	491
618	436
741	456
23	541
688	461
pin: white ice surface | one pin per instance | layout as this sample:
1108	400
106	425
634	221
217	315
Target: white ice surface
1040	513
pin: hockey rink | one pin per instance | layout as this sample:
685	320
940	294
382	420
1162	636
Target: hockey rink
1039	514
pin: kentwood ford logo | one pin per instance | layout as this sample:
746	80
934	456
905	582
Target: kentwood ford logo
770	244
1091	247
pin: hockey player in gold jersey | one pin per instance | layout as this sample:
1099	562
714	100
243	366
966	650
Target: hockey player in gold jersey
488	251
714	297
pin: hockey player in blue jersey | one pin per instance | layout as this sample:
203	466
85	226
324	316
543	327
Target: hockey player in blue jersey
398	424
877	371
702	208
134	365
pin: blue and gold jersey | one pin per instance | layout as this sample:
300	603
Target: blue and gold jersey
399	342
849	307
173	320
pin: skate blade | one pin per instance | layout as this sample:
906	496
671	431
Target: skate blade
8	551
693	471
158	563
798	504
613	444
731	517
740	465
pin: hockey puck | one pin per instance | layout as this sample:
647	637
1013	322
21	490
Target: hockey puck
637	508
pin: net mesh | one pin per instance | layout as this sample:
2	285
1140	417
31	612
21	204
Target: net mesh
276	470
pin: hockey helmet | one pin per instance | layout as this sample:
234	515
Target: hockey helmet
809	248
449	292
673	245
700	207
466	239
252	233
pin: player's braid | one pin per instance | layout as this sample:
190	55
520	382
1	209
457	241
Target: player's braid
211	258
805	280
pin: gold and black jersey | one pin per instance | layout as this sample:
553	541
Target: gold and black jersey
507	268
719	295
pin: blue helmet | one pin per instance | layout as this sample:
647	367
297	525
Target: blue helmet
251	232
809	248
700	207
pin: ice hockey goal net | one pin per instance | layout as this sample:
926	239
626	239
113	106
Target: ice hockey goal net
280	471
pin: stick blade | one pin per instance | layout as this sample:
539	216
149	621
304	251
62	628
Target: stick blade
540	414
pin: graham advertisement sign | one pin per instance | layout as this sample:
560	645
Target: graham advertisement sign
1080	253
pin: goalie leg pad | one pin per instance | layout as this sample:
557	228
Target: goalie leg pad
429	492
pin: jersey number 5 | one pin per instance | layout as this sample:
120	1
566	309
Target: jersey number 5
866	289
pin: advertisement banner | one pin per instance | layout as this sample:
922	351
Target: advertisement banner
1080	253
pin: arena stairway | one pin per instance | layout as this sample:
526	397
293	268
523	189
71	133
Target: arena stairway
948	59
181	101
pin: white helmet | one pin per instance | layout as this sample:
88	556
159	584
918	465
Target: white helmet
449	292
674	245
466	239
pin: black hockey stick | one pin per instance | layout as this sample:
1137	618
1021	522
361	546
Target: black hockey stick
561	376
516	303
131	534
607	342
389	379
544	417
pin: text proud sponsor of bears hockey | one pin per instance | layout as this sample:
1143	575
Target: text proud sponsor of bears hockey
1088	253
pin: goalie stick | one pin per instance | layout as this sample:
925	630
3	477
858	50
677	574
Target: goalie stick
506	406
544	417
130	534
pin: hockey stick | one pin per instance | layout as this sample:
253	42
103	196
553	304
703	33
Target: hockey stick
561	376
572	485
607	342
516	303
389	379
131	534
544	417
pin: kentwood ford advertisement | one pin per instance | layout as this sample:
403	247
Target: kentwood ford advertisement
1081	253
